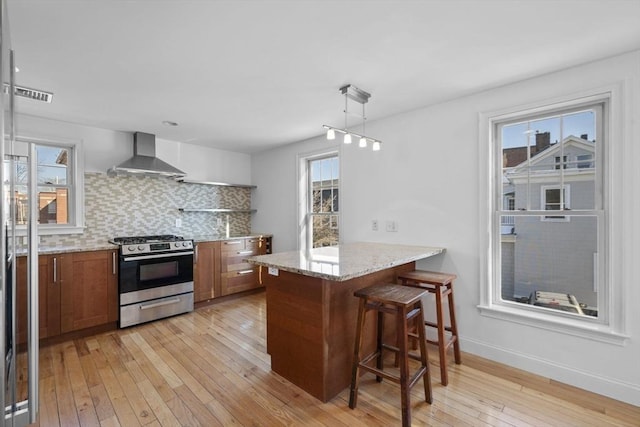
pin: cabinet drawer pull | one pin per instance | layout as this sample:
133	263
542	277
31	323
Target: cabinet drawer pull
159	304
113	262
244	252
55	270
233	242
241	272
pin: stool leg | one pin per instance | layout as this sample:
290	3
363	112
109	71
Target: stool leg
380	329
402	332
442	348
355	378
424	356
454	326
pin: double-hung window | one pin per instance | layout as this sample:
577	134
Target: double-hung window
544	266
58	197
323	201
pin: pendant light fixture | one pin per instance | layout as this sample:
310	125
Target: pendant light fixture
351	92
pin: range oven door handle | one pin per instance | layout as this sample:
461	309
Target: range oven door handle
159	304
171	255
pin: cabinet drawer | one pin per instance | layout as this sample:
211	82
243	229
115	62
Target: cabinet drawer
233	245
240	280
255	243
233	261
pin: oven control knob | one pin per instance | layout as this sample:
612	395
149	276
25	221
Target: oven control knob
131	248
140	248
185	244
176	244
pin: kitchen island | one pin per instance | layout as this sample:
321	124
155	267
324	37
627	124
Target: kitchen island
311	310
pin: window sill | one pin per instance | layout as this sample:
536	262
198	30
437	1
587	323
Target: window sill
575	327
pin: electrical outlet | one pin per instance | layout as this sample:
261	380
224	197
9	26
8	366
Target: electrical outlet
392	226
178	223
374	225
219	222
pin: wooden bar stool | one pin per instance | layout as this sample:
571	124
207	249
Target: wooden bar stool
406	304
440	284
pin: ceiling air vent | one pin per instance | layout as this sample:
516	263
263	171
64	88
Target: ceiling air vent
25	92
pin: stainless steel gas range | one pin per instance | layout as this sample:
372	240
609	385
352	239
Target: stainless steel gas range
156	277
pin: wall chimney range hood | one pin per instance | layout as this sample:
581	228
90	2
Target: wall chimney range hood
144	160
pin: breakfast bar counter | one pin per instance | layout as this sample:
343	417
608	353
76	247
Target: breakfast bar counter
311	310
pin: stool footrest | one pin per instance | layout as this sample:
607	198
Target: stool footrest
435	325
370	357
397	351
446	346
395	378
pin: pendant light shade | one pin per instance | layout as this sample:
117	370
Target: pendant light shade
361	97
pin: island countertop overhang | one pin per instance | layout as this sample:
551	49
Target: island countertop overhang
346	261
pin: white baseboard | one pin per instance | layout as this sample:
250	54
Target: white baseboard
615	389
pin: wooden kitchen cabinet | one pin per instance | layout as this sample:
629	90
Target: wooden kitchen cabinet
237	275
206	271
89	289
49	297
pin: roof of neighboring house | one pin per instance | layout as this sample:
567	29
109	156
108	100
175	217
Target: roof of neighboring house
514	156
539	164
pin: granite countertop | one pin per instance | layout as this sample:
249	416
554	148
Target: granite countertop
219	237
347	261
49	250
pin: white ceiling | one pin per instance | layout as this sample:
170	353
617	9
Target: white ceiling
249	75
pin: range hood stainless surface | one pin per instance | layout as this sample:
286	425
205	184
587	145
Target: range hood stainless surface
144	160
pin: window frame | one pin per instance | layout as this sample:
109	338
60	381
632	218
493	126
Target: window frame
610	326
305	196
76	212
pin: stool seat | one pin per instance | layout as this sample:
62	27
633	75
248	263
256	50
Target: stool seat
406	304
391	294
441	285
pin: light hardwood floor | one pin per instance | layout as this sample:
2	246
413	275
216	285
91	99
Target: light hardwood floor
210	368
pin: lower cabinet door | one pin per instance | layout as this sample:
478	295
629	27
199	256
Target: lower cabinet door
48	298
89	287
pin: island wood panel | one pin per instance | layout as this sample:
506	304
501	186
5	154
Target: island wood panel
311	326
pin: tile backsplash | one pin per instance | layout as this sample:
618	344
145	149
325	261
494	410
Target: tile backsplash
142	205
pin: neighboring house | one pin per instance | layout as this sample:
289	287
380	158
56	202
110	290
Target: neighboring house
553	253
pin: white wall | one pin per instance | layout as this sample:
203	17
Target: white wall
427	179
105	148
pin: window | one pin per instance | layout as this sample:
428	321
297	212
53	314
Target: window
555	200
584	161
322	201
58	185
564	162
543	266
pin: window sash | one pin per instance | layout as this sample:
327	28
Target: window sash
502	208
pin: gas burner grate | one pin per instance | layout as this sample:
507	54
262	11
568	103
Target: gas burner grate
134	240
